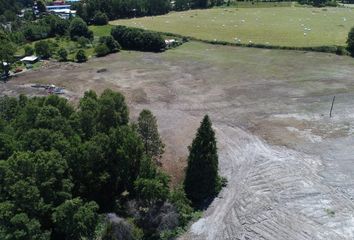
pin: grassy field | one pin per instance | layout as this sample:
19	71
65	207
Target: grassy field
281	26
99	31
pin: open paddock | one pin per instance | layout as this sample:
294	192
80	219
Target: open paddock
278	26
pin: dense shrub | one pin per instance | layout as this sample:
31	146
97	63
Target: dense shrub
121	9
83	42
78	28
42	49
101	50
62	54
119	229
29	50
48	26
112	44
138	39
81	56
100	19
350	42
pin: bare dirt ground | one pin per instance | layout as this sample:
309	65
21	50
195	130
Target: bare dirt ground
290	168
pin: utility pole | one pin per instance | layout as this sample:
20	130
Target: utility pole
330	112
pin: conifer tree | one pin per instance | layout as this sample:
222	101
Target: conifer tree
147	129
202	181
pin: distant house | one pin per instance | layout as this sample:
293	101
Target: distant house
71	1
57	7
29	59
62	11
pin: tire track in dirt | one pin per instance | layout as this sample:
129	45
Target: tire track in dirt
272	193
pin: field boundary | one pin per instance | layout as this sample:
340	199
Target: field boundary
335	49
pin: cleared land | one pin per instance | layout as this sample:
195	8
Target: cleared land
282	26
289	166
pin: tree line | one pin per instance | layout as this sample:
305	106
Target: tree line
138	39
62	167
114	9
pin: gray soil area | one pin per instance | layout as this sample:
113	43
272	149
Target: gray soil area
289	166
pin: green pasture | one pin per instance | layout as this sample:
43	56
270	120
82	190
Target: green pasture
280	26
101	31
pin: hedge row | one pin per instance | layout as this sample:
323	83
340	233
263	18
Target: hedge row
339	50
138	39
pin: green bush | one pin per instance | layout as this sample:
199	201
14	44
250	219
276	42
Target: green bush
138	39
101	50
81	56
29	50
350	42
62	54
78	28
100	19
83	42
112	44
42	49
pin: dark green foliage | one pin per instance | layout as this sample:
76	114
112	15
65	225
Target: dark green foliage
350	42
41	6
182	5
33	183
28	15
75	220
151	190
78	28
7	51
62	54
138	39
112	44
119	229
8	108
18	226
319	3
83	42
147	128
100	19
48	26
60	166
200	4
29	50
101	50
7	146
112	110
42	49
44	162
114	9
179	199
202	181
81	56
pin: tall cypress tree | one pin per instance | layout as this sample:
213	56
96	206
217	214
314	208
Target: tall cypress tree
202	181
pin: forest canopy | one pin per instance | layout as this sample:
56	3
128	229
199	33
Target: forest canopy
60	167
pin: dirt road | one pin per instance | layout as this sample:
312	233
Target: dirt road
290	168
